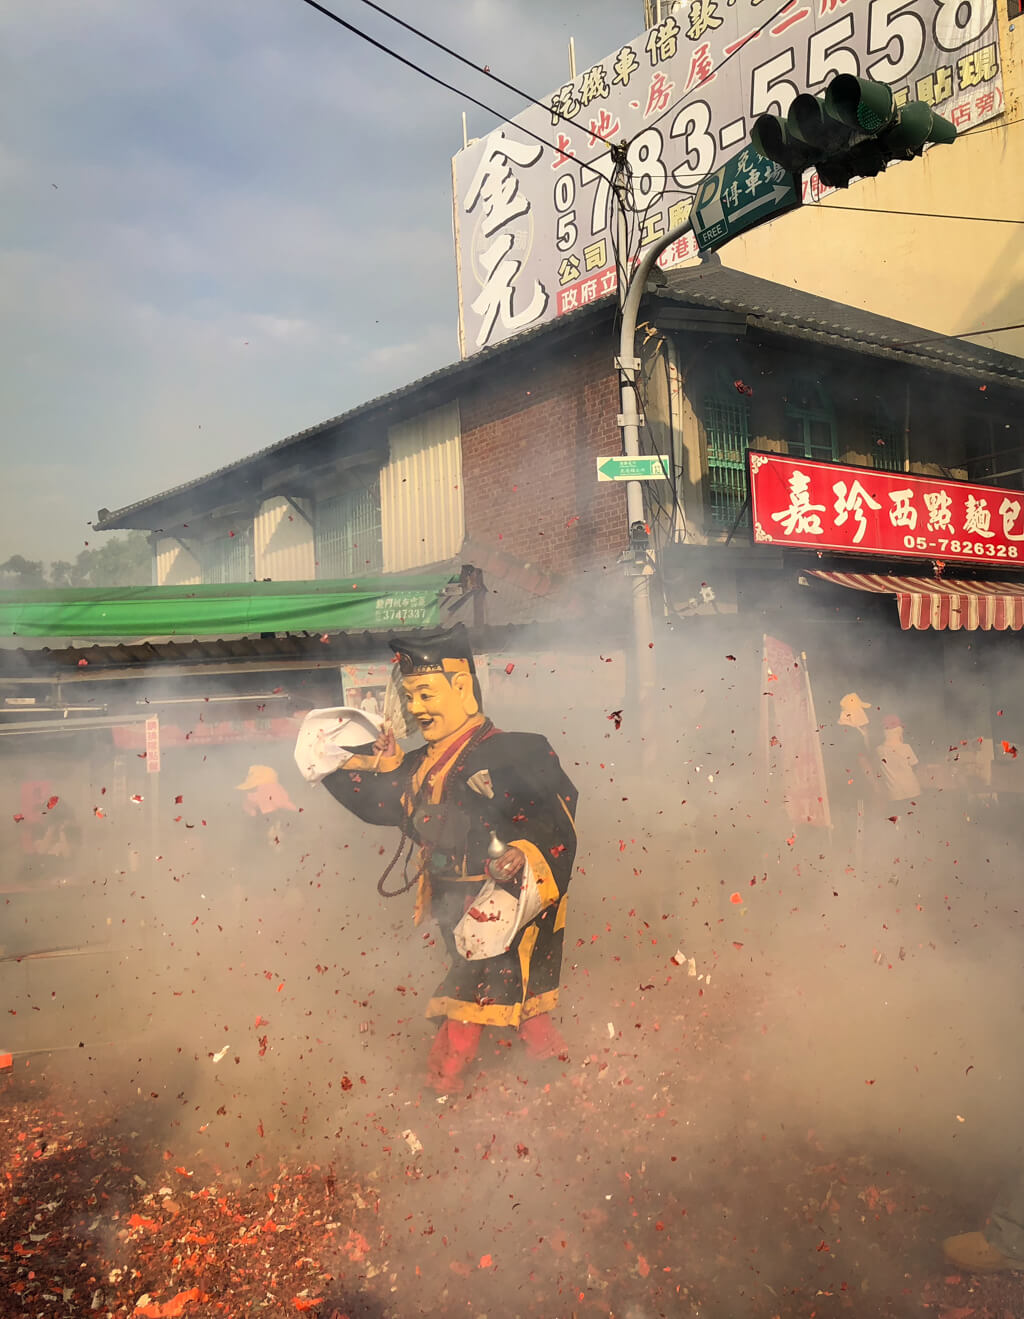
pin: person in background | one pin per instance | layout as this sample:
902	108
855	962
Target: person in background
265	798
849	773
896	760
493	815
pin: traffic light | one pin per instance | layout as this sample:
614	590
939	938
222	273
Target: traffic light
854	130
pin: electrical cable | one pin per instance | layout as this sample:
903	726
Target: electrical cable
988	128
411	64
964	334
484	69
924	215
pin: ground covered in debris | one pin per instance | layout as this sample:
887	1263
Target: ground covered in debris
608	1186
785	1086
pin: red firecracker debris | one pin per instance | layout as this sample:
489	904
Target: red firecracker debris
170	1309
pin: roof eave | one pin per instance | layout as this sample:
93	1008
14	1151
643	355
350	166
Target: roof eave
833	338
141	514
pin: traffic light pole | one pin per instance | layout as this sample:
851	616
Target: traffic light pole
628	364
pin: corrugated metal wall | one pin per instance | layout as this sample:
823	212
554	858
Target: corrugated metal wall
283	542
175	566
421	491
348	535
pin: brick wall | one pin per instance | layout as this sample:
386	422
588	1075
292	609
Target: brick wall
532	428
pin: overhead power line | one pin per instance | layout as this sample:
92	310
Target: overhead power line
964	334
922	215
989	128
483	69
457	91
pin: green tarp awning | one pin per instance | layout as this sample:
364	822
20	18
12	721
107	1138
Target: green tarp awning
135	612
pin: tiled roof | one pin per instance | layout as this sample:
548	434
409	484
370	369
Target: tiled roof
791	311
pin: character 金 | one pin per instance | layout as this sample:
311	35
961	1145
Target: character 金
493	816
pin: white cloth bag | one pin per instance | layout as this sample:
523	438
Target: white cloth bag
327	738
495	917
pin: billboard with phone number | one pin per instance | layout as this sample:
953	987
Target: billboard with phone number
531	199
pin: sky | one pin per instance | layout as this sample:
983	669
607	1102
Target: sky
223	223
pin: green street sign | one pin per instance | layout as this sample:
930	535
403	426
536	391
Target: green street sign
647	467
746	191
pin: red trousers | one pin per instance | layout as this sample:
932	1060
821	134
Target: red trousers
456	1043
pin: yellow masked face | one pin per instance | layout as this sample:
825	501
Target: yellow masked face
440	706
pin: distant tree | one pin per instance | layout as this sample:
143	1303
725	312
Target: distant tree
120	561
22	574
61	572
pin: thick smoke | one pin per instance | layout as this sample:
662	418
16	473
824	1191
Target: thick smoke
739	987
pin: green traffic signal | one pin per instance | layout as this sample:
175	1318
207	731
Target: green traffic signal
860	103
855	130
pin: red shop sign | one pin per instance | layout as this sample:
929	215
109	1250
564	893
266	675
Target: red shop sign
828	506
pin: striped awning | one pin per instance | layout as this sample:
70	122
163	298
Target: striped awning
931	603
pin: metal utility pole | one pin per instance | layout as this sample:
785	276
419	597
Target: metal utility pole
632	285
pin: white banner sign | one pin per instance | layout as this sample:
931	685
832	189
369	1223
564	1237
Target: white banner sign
532	220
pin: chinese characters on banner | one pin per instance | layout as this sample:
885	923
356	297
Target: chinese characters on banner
408	608
532	222
827	506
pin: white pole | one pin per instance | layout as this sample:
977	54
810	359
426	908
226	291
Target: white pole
628	365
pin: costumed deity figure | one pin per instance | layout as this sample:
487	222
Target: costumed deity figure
492	814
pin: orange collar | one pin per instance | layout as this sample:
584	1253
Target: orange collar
440	755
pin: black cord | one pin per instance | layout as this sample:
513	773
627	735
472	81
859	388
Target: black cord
397	892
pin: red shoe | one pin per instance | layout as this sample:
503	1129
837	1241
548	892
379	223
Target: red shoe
543	1039
453	1049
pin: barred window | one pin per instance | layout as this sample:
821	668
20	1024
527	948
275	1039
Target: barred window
887	438
347	533
726	418
810	421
